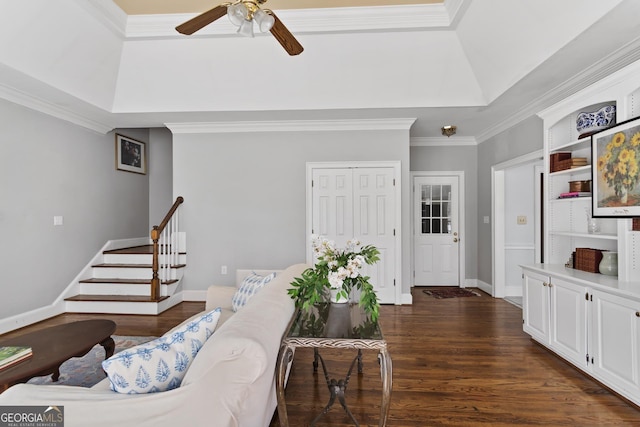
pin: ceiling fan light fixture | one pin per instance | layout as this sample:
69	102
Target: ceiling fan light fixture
264	20
238	13
246	28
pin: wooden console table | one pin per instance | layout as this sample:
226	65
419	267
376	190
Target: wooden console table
343	326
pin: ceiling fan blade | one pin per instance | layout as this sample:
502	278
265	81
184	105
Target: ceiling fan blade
284	37
206	18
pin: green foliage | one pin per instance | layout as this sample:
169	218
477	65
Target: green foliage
339	270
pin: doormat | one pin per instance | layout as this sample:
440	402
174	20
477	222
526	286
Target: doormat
451	293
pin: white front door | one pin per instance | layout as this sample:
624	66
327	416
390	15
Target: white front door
360	203
435	235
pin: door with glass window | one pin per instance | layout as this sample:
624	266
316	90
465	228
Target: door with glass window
436	248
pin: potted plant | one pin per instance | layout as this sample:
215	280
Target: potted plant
335	274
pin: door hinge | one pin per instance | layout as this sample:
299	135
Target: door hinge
394	231
586	296
394	182
587	357
312	183
394	282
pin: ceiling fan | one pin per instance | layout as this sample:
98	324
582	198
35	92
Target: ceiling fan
243	13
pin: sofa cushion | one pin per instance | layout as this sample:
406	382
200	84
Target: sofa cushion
161	364
250	285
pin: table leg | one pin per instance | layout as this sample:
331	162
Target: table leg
315	360
337	389
55	376
284	358
109	347
386	373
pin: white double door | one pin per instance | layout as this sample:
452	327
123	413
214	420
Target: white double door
359	202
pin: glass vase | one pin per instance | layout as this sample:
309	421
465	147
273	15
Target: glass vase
593	224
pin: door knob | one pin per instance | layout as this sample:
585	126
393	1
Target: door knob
455	240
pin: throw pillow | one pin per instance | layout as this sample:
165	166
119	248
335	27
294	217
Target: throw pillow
250	285
160	365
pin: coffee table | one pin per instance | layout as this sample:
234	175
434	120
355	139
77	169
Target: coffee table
54	345
342	326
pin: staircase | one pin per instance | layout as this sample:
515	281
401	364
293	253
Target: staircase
139	278
121	283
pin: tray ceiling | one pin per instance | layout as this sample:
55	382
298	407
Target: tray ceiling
143	7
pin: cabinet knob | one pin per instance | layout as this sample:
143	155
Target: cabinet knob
545	284
637	313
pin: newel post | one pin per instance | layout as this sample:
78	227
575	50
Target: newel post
155	280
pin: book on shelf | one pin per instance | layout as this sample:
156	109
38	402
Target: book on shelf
12	355
572	194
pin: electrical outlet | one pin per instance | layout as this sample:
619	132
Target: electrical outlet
223	269
522	219
58	220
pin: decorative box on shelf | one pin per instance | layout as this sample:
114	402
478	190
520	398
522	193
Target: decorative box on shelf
636	224
587	259
555	158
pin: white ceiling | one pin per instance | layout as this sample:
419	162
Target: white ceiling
482	65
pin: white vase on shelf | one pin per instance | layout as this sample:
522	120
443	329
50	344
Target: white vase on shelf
609	264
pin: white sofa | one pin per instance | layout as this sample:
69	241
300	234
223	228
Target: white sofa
231	381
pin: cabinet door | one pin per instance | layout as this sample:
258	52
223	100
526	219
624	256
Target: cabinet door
615	353
536	306
568	316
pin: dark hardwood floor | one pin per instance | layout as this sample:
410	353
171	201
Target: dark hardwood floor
456	362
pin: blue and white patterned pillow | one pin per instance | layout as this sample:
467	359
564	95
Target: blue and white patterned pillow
160	365
249	287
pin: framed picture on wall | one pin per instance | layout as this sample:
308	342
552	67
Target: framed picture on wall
131	155
615	166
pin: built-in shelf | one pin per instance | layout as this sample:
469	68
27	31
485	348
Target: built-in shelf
580	144
602	236
571	199
572	170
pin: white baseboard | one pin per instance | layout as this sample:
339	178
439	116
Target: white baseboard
406	299
30	317
475	283
194	296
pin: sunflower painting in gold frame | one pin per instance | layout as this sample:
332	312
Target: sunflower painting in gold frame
615	154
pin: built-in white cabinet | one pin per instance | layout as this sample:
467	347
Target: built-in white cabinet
615	341
565	219
556	315
593	325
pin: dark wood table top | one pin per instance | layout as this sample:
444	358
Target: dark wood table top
53	346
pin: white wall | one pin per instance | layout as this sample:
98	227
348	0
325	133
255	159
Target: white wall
49	167
245	194
519	187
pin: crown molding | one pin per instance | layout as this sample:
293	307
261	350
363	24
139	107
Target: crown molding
291	126
441	141
107	13
602	69
46	107
305	21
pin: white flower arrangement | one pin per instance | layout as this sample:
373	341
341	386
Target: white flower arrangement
339	270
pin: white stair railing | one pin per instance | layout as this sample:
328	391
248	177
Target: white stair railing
166	248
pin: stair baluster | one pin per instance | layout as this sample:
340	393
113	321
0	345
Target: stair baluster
165	247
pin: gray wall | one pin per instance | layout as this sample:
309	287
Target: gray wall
50	167
160	170
524	138
245	194
456	158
